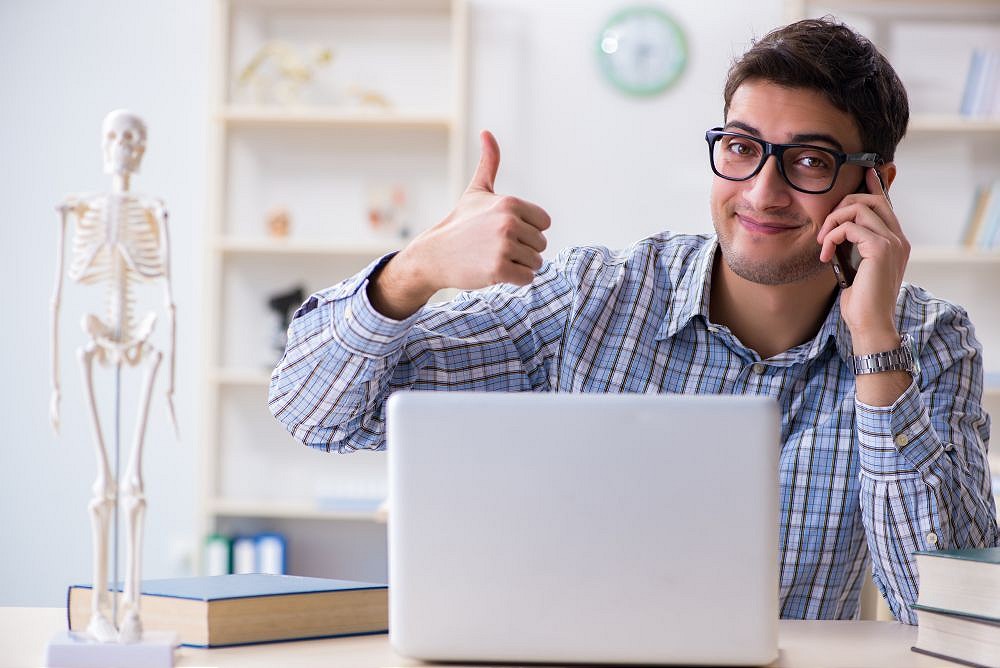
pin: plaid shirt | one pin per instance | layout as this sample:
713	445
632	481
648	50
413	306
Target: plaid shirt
855	480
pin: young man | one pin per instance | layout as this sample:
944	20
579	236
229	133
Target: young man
884	437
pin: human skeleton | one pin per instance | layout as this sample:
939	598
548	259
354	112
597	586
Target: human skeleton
120	239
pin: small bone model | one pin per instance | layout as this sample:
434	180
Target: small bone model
277	71
120	239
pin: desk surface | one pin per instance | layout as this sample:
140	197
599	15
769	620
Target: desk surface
24	633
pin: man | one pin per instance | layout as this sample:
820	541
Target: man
883	433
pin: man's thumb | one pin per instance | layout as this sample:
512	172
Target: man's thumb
489	163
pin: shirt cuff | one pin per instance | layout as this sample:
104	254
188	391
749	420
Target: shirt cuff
897	441
355	323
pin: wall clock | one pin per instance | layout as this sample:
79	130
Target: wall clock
642	50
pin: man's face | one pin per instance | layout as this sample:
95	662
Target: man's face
767	229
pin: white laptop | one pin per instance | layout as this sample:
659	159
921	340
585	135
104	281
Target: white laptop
583	528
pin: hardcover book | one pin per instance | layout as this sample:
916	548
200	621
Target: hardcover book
961	581
974	641
222	610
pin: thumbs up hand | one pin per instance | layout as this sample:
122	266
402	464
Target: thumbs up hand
486	239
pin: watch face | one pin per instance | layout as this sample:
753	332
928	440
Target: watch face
642	51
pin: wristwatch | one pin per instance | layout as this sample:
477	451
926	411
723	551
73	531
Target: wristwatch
900	359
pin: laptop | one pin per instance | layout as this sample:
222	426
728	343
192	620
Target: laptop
583	528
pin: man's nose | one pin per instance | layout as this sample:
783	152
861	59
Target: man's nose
768	189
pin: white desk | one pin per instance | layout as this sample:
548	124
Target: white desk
25	631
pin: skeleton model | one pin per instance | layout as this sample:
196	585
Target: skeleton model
119	239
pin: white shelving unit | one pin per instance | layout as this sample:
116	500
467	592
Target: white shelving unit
318	156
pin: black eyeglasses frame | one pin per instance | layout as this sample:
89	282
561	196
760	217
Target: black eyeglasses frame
778	151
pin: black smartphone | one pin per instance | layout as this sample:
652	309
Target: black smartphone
846	259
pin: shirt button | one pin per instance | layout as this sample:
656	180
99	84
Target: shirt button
713	329
932	538
948	447
902	440
758	368
347	311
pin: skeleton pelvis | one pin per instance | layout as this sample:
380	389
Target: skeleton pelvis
114	347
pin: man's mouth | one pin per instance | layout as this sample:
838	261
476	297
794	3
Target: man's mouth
766	226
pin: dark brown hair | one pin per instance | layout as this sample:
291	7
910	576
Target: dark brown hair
827	56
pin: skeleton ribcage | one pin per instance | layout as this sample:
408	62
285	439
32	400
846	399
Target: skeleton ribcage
117	243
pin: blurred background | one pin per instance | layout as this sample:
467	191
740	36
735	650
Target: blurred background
294	141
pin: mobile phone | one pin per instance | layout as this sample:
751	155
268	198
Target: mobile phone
846	259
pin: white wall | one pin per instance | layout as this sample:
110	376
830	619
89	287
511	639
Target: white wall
607	168
66	63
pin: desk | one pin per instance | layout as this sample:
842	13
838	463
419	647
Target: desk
25	631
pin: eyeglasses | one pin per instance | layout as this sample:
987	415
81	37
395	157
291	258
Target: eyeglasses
808	169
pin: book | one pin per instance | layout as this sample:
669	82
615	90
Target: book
218	555
973	83
991	219
960	581
967	639
223	610
977	214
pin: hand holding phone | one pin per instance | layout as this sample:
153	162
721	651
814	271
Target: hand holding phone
846	258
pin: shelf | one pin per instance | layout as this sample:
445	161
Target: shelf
265	246
242	377
393	6
290	510
930	10
952	123
248	116
955	254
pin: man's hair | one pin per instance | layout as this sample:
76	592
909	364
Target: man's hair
827	56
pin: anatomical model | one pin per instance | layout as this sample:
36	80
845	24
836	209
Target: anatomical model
120	239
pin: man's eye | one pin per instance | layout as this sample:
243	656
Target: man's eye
740	148
814	162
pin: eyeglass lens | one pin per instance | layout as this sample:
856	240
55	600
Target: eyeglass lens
808	167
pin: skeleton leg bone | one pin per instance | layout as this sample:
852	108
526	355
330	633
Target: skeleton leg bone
101	506
134	504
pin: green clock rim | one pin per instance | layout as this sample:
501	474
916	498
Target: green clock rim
643	91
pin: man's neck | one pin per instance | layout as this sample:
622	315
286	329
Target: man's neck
770	319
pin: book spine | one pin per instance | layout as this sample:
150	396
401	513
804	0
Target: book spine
974	218
218	555
244	555
991	217
988	87
972	84
270	549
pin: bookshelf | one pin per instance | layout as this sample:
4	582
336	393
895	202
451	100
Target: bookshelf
318	154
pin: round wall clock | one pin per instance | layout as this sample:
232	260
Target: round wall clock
642	50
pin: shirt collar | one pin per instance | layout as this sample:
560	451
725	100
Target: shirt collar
690	289
691	294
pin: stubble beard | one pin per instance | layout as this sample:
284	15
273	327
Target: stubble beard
789	269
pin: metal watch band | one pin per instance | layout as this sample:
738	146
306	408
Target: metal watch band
900	359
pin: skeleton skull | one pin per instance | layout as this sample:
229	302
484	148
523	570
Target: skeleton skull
124	142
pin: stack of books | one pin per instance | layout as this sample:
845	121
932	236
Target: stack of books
981	96
958	609
258	553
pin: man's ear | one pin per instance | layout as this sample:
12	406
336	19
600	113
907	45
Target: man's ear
888	173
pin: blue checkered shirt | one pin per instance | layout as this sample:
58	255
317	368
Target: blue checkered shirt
855	480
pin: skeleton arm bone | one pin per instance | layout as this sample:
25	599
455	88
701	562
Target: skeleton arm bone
161	214
63	210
